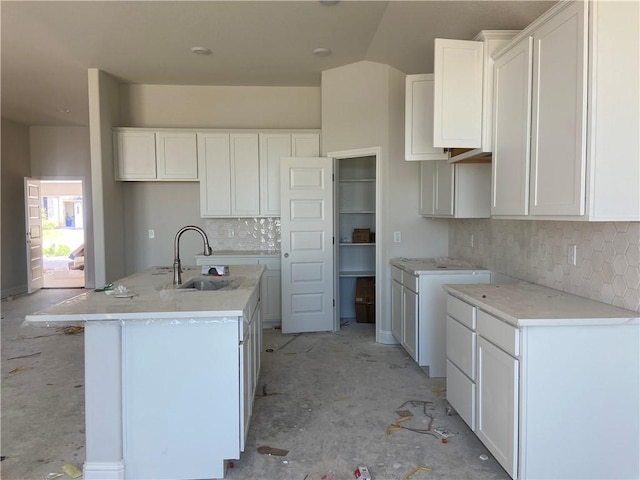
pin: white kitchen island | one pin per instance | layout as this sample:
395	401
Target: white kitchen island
547	380
170	374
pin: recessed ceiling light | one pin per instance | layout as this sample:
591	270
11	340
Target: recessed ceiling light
321	52
63	110
201	50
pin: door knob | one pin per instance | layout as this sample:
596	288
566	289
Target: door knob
286	255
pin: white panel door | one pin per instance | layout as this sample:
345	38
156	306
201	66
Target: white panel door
558	156
512	127
306	201
33	221
457	108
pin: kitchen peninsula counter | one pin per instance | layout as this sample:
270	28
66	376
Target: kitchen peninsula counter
170	373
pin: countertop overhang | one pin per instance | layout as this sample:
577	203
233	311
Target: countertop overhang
424	266
155	298
529	304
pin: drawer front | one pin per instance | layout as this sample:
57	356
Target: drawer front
411	282
396	274
461	395
499	333
461	347
461	311
270	263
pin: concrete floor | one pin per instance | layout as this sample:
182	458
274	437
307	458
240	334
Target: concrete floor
327	398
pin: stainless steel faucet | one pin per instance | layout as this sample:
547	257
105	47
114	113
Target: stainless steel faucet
177	267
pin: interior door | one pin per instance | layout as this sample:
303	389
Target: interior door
33	223
306	201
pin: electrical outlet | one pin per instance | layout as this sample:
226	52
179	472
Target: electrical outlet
572	255
152	233
231	233
397	237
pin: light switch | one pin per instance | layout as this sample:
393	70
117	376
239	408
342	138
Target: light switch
152	234
396	237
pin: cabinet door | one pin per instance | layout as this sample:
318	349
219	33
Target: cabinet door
427	188
458	68
176	155
444	202
558	157
512	124
410	328
419	120
273	146
305	145
215	174
397	310
245	174
498	404
136	155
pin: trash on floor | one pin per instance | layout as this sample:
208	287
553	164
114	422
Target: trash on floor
71	470
73	330
416	470
404	413
362	473
397	425
484	457
53	476
20	369
443	432
26	356
440	391
266	450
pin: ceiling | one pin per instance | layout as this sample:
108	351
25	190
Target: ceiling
47	46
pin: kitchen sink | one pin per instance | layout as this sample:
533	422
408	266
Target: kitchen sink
211	283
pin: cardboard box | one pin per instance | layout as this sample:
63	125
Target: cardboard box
361	235
365	301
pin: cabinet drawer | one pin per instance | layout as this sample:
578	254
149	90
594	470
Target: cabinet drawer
461	311
499	333
396	274
461	347
411	282
461	395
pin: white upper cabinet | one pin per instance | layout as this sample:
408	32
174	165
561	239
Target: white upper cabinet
135	153
455	191
146	155
511	148
274	146
463	92
245	174
176	156
582	86
215	174
419	119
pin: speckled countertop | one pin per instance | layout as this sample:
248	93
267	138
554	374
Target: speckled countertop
422	266
529	304
155	297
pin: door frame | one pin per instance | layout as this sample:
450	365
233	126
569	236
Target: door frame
341	155
83	181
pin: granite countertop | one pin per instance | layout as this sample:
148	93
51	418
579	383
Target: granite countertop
529	304
422	266
155	297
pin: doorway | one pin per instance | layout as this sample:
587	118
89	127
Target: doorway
63	235
357	219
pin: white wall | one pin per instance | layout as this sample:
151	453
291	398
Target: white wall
14	166
108	204
363	106
64	152
165	207
219	106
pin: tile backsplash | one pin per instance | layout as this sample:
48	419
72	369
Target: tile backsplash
243	233
607	255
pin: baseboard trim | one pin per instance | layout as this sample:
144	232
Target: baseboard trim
13	291
386	337
104	470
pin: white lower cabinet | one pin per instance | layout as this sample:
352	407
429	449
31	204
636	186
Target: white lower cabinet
541	394
250	351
